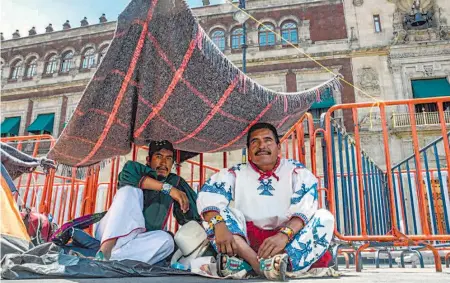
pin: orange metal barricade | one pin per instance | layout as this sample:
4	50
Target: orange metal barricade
295	145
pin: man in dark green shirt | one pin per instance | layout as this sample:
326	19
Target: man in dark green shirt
134	226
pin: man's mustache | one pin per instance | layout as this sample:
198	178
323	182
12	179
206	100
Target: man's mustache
162	168
263	151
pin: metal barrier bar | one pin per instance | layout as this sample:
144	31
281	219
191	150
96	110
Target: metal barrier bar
343	185
330	150
357	197
381	194
418	167
430	194
402	199
360	204
441	185
349	186
411	196
368	221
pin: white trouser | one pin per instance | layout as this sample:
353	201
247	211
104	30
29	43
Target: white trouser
125	222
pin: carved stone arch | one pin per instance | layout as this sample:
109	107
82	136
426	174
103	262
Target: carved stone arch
232	27
264	21
50	53
289	18
31	56
217	27
87	46
103	45
68	49
15	59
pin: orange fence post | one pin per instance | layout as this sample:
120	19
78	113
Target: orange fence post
202	172
420	188
360	180
444	135
225	161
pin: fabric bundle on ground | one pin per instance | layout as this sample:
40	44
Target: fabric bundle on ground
163	78
48	261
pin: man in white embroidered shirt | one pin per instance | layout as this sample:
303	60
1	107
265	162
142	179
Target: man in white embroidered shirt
264	216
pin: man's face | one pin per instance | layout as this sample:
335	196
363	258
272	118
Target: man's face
263	149
161	161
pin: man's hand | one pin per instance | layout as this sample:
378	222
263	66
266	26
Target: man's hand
224	239
273	245
181	198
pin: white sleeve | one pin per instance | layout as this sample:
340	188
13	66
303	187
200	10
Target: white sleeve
304	200
217	192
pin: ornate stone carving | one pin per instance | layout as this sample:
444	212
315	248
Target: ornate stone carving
368	80
406	5
358	3
305	32
407	29
428	70
426	53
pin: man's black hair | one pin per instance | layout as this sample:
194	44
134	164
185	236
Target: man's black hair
259	126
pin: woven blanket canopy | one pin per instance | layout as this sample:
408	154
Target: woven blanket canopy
163	78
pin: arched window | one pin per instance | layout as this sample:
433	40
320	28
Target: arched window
102	53
237	38
266	35
51	65
289	32
30	68
66	62
16	69
218	37
88	59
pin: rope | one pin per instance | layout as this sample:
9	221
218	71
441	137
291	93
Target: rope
377	102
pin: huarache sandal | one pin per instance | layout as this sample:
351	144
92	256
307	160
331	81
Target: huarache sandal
231	266
267	266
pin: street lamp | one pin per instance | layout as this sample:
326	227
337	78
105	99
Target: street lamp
241	17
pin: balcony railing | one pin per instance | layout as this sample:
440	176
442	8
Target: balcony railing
422	119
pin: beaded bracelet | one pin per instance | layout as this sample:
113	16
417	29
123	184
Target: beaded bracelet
288	232
215	220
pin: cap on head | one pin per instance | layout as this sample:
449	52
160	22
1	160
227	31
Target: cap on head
155	146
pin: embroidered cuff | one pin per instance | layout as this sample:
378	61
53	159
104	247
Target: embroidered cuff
210	208
302	217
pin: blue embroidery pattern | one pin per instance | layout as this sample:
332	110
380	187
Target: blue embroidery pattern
303	191
236	167
232	224
302	217
266	187
296	163
321	241
217	188
210	208
297	255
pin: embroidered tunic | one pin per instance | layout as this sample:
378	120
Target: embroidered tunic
243	194
266	201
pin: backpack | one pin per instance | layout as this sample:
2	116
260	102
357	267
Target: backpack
38	226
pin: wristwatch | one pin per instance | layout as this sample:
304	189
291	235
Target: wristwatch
166	188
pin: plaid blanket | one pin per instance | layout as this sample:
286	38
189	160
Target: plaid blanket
163	78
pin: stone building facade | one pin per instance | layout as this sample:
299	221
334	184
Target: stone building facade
368	42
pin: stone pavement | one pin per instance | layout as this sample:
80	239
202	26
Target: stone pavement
371	275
